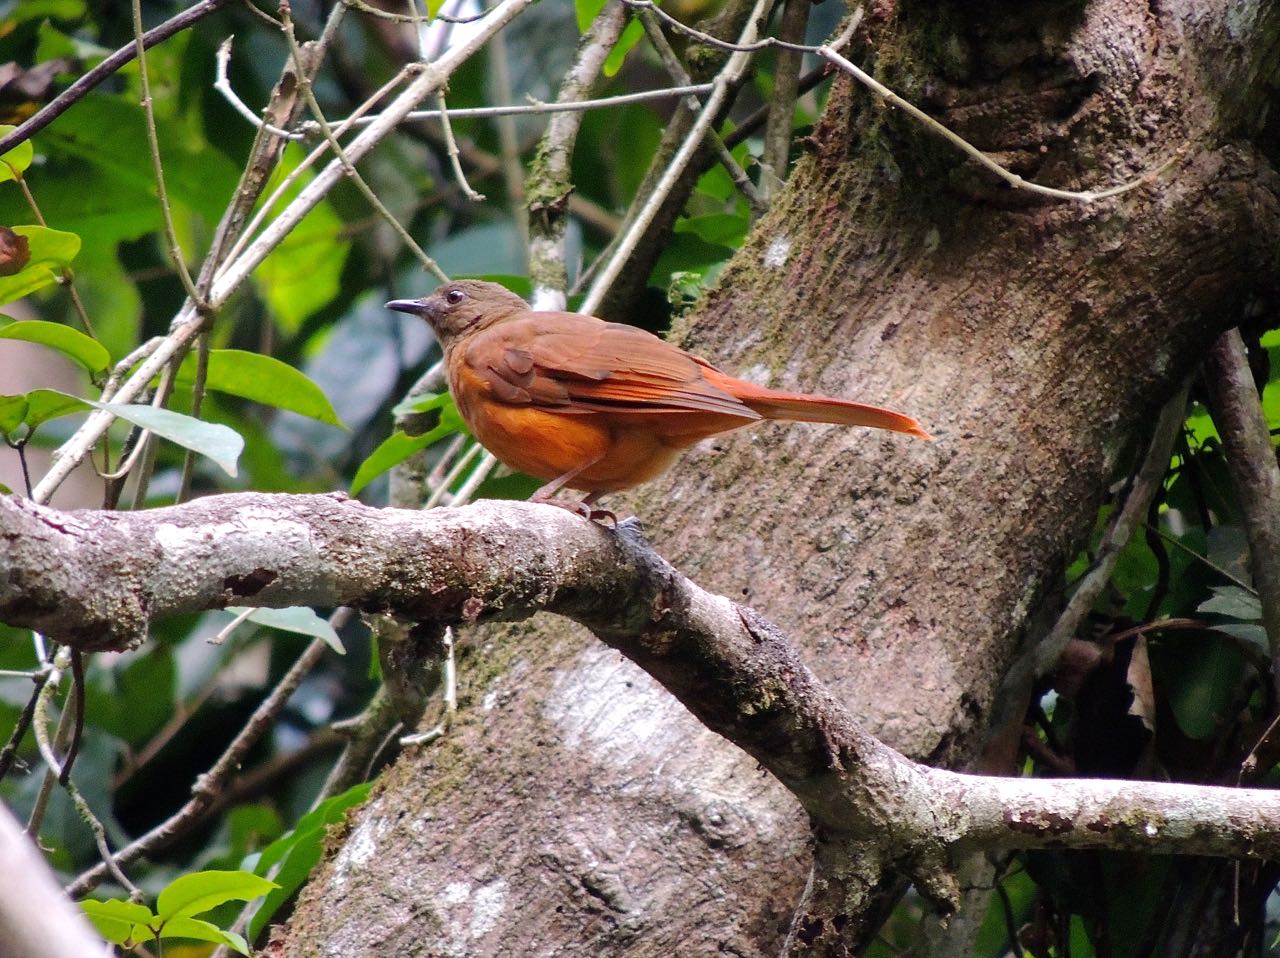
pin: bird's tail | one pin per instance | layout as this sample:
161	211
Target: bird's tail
801	407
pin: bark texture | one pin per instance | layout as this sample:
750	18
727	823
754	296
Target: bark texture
578	809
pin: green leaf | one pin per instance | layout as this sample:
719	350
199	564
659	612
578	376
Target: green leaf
198	892
50	250
13	412
1233	602
46	404
262	379
202	930
120	921
297	852
85	350
35	408
424	403
304	272
39	9
220	443
586	11
398	447
723	228
17	159
299	619
630	37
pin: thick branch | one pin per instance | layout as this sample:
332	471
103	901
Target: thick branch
95	579
35	917
1237	411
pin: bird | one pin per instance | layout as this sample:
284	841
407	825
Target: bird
596	406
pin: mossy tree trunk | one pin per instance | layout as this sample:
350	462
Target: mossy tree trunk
575	808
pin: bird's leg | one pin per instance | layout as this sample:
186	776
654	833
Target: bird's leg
597	515
582	508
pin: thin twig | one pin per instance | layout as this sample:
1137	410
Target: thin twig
498	63
66	275
222	84
451	146
1146	483
157	163
1013	179
782	101
414	17
197	406
439	494
550	180
1040	657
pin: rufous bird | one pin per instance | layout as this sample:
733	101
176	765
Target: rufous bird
579	402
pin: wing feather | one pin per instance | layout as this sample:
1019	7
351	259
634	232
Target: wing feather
577	365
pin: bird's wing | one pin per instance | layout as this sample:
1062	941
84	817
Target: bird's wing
578	364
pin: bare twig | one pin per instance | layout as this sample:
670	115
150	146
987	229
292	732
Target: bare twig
1013	179
209	785
452	149
677	72
782	101
1040	657
508	134
549	184
353	174
157	163
411	17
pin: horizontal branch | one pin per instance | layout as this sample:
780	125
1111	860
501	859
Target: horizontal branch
95	580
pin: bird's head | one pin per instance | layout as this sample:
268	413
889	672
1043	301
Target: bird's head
461	307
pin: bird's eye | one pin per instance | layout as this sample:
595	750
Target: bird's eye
454	297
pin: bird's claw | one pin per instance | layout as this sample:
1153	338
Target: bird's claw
582	509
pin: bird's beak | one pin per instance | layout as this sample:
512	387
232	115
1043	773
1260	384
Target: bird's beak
413	306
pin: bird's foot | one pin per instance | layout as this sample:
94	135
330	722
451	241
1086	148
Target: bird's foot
583	509
601	515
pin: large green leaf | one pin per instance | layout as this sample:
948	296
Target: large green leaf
85	350
304	272
51	251
36	407
398	447
220	443
39	9
202	930
13	163
297	852
630	37
120	921
299	619
586	11
199	892
262	379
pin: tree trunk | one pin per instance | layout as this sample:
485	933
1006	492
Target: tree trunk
575	808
